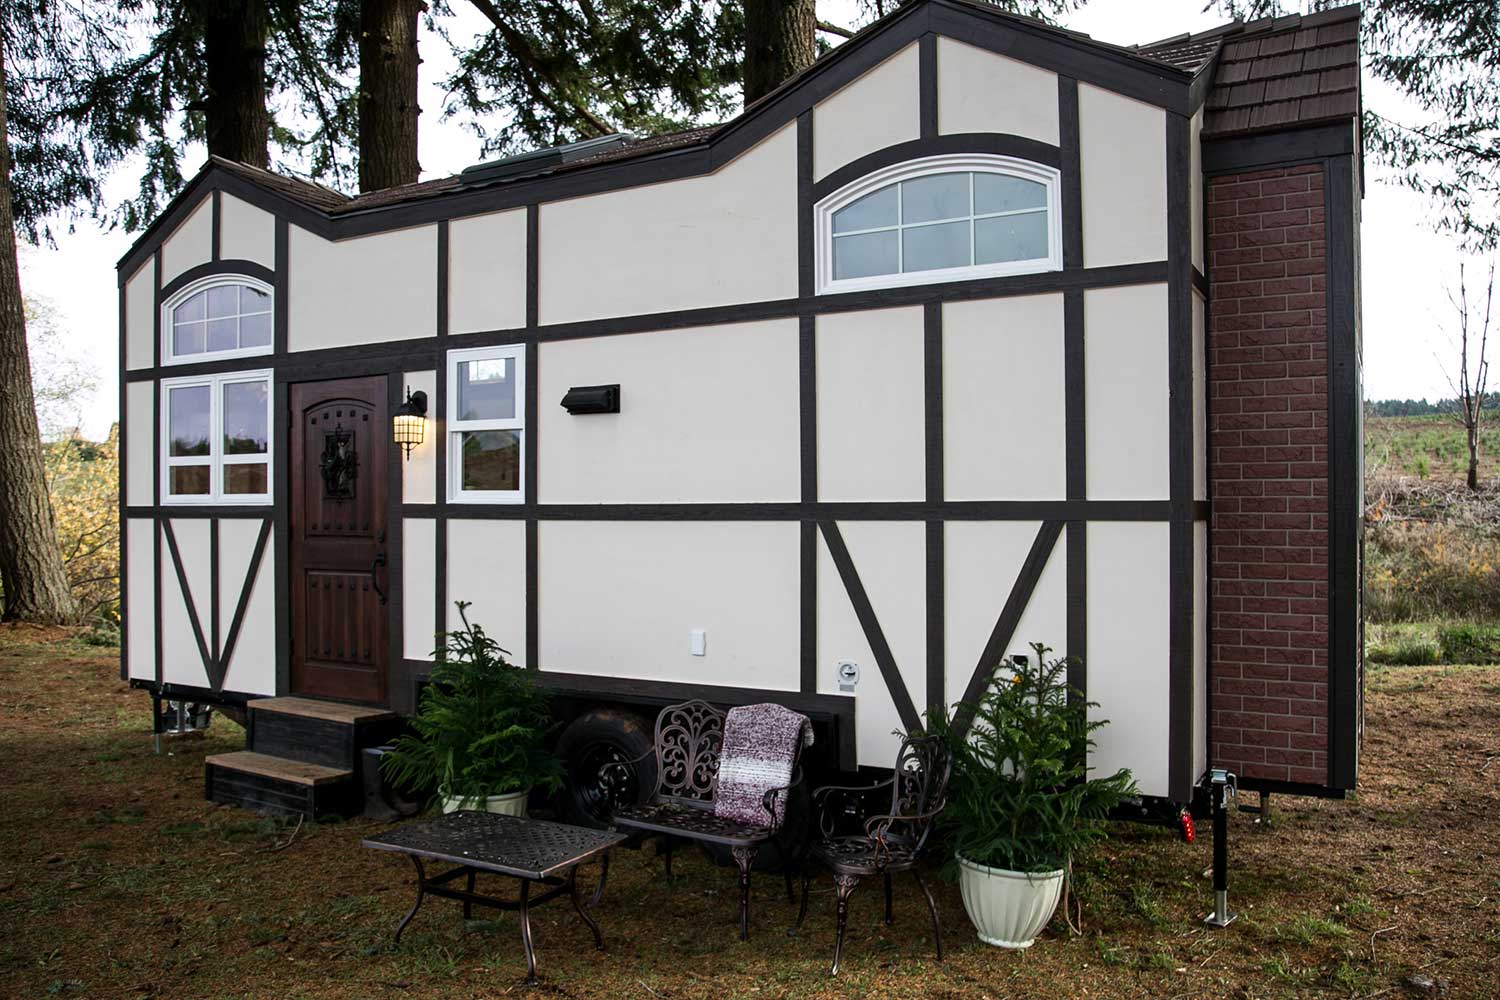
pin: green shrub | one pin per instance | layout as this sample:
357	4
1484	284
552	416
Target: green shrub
1419	571
1467	643
1410	652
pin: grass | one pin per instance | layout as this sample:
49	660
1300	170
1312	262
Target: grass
119	881
1428	446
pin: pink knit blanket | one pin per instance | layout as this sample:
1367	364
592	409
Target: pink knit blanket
759	750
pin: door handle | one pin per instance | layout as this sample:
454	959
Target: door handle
376	564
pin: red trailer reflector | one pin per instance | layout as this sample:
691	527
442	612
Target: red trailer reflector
1185	821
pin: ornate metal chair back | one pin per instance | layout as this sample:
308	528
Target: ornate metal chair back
689	739
920	789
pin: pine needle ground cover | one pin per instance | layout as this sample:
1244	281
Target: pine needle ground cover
118	880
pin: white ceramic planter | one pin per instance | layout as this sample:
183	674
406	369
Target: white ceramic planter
509	804
1009	909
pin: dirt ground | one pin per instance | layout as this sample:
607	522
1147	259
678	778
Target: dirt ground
118	880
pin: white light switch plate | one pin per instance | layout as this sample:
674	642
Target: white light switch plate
698	642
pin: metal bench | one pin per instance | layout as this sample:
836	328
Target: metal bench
689	738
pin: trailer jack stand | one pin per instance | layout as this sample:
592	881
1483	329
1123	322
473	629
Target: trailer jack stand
1223	788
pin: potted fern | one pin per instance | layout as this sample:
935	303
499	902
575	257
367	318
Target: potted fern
479	735
1021	801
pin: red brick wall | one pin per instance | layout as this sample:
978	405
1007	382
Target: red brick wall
1268	464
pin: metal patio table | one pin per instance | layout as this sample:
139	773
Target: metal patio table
532	851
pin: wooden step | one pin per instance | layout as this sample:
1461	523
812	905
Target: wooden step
329	733
328	711
278	785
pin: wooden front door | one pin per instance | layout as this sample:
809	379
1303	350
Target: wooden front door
340	442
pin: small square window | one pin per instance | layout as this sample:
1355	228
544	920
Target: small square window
486	425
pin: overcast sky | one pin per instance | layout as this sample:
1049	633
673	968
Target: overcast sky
1406	266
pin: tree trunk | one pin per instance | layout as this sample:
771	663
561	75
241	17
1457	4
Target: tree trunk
388	93
238	126
780	40
31	569
1473	435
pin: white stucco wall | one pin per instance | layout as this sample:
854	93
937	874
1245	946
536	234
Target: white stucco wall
140	608
706	414
1004	405
620	600
487	272
252	666
890	558
487	568
140	316
419	469
727	237
140	440
881	108
871	442
1128	670
181	661
191	243
361	291
246	232
1123	145
418	582
980	91
1127	397
981	563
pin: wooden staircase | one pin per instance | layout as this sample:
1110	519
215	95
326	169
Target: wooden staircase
304	757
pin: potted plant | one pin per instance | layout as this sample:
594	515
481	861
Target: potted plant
1021	801
479	733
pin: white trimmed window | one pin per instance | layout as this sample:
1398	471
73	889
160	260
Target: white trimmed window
945	218
216	439
223	316
486	422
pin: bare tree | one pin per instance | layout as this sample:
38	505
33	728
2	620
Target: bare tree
1472	379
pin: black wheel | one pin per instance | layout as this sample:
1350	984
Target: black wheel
599	737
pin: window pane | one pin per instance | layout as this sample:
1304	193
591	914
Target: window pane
190	310
254	300
487	389
995	193
223	300
944	196
1010	237
187	338
490	460
245	418
187	420
866	254
870	212
929	247
188	480
223	334
245	478
255	331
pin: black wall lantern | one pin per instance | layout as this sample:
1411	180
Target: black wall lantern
592	399
409	422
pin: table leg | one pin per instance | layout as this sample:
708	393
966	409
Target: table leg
603	877
468	905
526	932
578	905
421	891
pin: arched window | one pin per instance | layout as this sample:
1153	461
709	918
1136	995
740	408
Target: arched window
222	316
944	218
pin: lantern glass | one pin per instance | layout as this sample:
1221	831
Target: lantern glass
409	430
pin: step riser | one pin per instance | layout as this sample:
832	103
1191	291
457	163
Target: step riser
314	741
269	795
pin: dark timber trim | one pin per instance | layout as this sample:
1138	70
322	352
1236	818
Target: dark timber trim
997	143
283	279
246	590
1304	145
870	624
530	436
122	484
932	366
213	603
1344	471
395	390
249	268
1075	386
438	417
1182	580
879	510
1005	625
216	226
927	84
805	201
807	403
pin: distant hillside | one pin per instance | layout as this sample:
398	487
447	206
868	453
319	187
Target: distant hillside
1417	407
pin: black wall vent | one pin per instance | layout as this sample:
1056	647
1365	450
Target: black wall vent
592	399
538	160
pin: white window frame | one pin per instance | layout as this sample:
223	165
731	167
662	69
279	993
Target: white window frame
454	427
170	357
980	163
216	459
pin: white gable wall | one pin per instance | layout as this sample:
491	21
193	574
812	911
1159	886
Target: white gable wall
140	317
140	598
181	661
246	232
979	91
1126	394
727	237
879	109
487	272
140	443
252	664
191	243
363	290
1123	146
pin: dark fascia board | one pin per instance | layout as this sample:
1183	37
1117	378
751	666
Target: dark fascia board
1203	81
1077	57
1287	146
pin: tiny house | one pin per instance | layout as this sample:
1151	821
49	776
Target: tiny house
976	333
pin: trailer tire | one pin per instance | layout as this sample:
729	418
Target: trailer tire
595	738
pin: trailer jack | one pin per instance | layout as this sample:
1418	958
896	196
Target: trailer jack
1223	787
